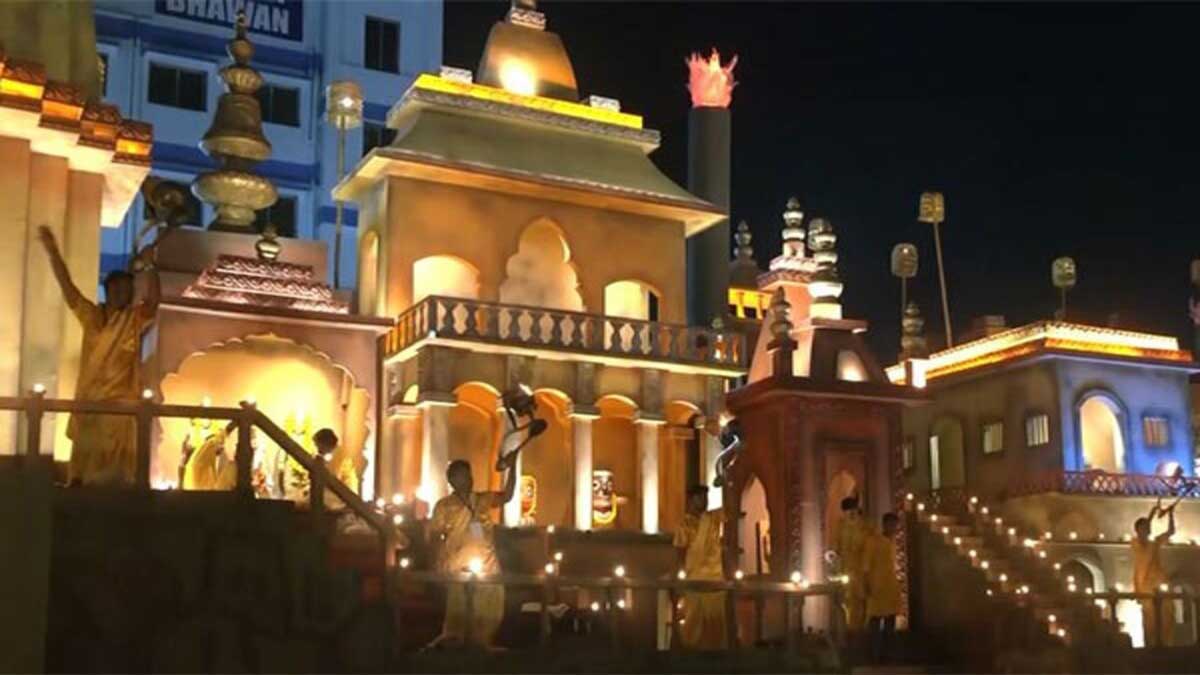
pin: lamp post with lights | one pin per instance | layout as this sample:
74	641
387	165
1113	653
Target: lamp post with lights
933	211
344	111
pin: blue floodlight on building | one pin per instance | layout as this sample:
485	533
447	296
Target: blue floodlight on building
162	58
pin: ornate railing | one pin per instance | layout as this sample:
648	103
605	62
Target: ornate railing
542	328
35	406
1101	483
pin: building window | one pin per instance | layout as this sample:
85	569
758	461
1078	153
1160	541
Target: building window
280	105
1037	430
177	87
282	213
906	454
375	136
1155	430
993	437
381	45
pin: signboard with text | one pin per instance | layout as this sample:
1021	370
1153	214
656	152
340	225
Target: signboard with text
276	18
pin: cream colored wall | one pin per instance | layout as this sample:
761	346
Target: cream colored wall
485	228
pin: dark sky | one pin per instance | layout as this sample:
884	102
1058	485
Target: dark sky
1066	129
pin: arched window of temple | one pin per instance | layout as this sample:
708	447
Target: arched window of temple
1101	434
631	299
444	275
615	471
540	273
850	367
947	467
754	530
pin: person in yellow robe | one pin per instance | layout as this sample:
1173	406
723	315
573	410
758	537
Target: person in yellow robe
462	522
698	542
1149	575
104	447
209	468
849	536
880	585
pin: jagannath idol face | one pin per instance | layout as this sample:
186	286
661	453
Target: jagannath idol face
603	501
528	495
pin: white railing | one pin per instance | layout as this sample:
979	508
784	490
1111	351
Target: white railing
539	327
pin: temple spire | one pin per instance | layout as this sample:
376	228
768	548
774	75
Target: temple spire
912	334
826	287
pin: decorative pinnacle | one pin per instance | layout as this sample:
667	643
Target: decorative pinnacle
912	334
743	251
825	286
781	315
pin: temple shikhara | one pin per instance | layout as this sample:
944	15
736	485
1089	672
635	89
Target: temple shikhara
562	421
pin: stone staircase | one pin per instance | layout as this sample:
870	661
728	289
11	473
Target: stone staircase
1019	572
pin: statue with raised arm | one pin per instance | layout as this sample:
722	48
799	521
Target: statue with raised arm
104	447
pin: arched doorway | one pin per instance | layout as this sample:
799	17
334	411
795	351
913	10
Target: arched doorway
616	478
631	299
540	273
444	275
947	466
1100	433
754	530
678	443
474	434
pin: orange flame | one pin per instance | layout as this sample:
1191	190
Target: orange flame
710	83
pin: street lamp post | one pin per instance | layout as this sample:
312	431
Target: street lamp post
344	110
933	211
1063	275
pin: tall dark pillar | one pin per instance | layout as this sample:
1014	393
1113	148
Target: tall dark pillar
708	253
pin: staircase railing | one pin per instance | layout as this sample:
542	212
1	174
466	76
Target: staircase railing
1103	483
35	406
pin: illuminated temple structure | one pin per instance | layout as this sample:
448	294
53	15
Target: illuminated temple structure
1069	432
518	235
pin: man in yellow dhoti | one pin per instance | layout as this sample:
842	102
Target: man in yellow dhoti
849	536
881	586
1149	575
104	447
209	468
463	523
698	542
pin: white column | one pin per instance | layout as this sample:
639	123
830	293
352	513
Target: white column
581	428
710	447
435	450
647	446
512	509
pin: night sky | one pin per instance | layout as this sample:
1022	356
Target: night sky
1053	130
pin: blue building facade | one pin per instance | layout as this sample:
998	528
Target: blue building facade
162	60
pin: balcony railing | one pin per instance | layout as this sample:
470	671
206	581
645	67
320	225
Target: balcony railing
542	328
1102	483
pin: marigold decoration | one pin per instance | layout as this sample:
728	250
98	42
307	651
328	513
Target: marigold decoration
710	83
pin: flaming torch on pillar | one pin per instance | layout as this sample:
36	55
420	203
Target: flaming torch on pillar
711	85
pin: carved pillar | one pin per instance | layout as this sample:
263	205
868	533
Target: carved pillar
647	447
581	429
399	452
435	449
710	446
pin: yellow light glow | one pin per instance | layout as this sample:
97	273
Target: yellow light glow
397	519
558	556
549	568
1048	335
404	563
475	565
397	499
739	575
797	577
517	77
481	92
596	607
39	388
619	571
29	90
681	575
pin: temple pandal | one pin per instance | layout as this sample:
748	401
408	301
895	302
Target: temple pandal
534	293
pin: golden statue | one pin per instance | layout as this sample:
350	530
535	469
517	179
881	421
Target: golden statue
59	34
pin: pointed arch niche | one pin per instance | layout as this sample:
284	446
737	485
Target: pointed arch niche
299	388
540	273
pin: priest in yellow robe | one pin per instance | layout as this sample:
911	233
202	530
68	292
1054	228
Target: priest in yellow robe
209	468
1149	576
462	523
698	542
104	447
881	586
849	537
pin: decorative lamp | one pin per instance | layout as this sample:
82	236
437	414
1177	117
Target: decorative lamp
344	111
932	210
904	267
912	333
1063	276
